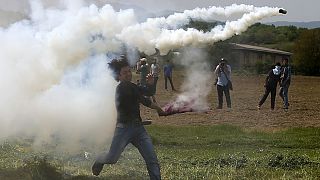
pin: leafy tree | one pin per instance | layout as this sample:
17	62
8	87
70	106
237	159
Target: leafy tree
202	25
307	52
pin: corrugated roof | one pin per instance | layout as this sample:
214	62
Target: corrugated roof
260	49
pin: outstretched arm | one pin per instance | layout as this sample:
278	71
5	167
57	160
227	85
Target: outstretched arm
267	79
158	109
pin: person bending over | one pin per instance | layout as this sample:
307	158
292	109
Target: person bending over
271	86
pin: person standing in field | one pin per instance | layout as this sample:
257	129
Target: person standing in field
167	72
271	86
144	71
129	128
285	81
155	70
138	66
223	74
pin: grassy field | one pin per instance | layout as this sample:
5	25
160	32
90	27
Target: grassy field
186	152
242	143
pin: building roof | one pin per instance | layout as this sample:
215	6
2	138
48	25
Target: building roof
259	49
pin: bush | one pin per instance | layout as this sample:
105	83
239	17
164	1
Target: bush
39	168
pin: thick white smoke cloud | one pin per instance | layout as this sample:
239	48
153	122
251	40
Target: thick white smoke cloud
196	86
53	77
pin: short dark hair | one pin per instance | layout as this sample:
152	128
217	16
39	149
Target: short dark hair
116	64
278	64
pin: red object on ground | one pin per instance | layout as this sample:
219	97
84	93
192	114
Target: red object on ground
181	107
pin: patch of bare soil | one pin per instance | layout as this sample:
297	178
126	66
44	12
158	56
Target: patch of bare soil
304	109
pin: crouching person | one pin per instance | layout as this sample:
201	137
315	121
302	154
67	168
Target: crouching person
129	128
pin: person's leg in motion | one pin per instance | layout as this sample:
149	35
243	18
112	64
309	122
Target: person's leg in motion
119	141
281	93
144	144
273	97
264	97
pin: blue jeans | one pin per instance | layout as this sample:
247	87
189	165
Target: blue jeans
138	136
284	95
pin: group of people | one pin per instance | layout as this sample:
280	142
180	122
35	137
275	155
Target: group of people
129	96
279	75
144	70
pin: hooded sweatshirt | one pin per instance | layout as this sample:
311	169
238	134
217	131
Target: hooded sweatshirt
273	77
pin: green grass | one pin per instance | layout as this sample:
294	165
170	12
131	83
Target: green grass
198	152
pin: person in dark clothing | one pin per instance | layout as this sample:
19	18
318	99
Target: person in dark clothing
271	85
129	128
285	81
167	72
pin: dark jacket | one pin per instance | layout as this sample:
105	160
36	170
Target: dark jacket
272	79
128	99
286	76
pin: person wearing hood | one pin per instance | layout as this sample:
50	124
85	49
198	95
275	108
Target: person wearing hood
271	85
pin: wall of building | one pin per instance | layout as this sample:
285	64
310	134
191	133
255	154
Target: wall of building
244	58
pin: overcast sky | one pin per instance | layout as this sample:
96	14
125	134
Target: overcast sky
298	10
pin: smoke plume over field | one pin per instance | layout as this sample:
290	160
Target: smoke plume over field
54	81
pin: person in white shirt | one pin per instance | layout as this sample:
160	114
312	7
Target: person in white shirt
155	71
223	73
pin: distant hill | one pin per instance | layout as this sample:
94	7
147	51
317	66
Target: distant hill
9	17
141	13
309	25
165	13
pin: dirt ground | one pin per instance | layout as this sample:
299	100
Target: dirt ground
304	109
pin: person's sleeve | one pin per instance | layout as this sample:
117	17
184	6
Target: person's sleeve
229	69
216	70
229	72
147	90
268	76
142	99
287	75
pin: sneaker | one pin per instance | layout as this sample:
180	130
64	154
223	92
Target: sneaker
259	107
97	168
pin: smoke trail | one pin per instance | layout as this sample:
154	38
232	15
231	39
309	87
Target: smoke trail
162	33
54	80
